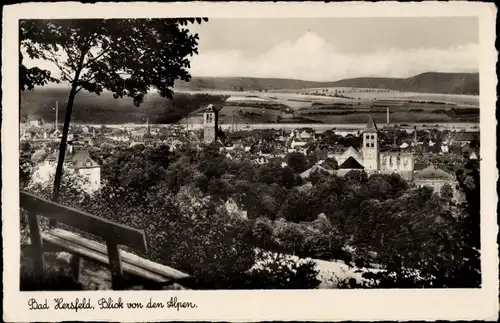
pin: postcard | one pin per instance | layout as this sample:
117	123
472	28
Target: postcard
248	162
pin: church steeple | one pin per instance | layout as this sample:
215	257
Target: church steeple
370	145
371	127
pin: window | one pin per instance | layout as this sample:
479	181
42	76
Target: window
372	145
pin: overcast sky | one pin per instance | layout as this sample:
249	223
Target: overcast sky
336	48
329	49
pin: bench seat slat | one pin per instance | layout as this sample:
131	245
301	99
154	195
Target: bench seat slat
133	264
125	256
122	234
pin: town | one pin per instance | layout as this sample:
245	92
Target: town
177	169
426	156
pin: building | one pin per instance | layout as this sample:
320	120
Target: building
462	137
210	124
372	160
436	178
76	162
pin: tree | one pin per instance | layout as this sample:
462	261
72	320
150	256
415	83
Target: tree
447	192
331	163
125	56
26	163
297	161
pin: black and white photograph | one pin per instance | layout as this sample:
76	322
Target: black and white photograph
204	153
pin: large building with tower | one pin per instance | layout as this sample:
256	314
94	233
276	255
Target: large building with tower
371	159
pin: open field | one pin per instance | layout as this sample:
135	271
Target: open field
382	94
307	104
254	107
305	97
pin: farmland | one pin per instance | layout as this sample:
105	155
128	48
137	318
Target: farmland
337	105
344	105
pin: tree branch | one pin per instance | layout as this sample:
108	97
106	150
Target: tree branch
92	60
54	60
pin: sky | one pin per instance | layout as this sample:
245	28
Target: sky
329	49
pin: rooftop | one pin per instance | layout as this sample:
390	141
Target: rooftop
371	127
351	163
433	173
77	157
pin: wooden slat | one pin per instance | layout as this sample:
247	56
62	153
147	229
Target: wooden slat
126	257
123	235
115	264
76	267
102	257
36	244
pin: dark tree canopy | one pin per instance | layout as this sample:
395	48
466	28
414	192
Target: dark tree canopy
127	57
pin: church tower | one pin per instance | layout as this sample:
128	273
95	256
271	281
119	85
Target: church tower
370	145
209	124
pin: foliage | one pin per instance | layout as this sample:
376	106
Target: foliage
417	237
95	58
447	191
297	161
26	163
450	246
128	57
187	231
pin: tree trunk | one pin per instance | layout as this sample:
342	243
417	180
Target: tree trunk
67	120
62	146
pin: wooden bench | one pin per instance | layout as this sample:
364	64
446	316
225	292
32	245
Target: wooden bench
109	254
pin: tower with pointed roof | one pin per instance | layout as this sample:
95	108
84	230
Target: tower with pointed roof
370	145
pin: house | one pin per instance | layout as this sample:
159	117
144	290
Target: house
463	137
35	123
436	178
297	143
305	133
56	134
76	161
307	173
120	138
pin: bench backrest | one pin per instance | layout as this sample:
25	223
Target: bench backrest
108	230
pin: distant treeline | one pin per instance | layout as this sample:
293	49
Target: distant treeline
263	105
339	112
105	109
334	105
450	112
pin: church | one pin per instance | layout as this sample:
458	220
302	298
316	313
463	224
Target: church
372	160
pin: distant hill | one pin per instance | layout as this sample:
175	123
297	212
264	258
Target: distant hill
446	83
432	82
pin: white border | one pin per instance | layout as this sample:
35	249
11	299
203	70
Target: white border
313	305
